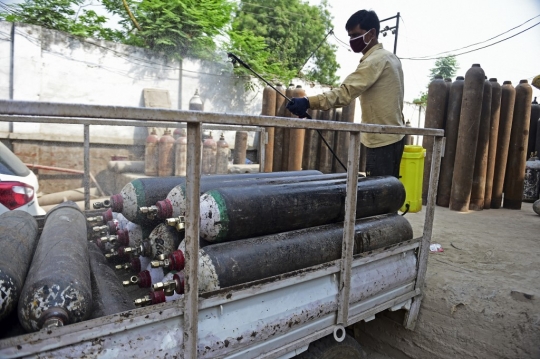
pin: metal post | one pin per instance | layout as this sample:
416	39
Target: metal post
348	230
263	140
86	176
396	35
191	288
423	250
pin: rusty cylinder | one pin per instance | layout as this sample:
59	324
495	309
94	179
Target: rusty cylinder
269	109
278	132
234	213
517	155
222	156
296	139
166	154
209	153
18	239
435	114
151	154
311	146
240	147
469	123
325	156
108	295
508	98
494	130
533	129
286	131
338	117
478	189
58	288
195	103
180	155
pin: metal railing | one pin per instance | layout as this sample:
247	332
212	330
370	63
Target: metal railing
44	112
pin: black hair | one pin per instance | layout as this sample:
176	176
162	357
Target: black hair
366	19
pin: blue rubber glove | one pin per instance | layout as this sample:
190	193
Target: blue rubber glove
298	106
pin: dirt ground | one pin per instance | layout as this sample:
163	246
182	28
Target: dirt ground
482	294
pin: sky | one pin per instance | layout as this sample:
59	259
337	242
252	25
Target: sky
428	27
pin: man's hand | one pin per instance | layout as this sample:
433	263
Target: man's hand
298	106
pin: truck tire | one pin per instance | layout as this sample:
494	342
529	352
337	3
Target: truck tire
329	348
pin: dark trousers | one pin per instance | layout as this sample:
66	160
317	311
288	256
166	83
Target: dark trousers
384	161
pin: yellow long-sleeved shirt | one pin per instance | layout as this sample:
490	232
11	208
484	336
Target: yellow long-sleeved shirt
378	80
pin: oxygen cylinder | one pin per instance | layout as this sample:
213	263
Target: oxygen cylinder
296	139
285	252
478	189
134	265
195	103
222	156
338	115
435	114
289	92
508	98
131	235
342	138
58	289
531	183
517	157
451	133
180	156
151	154
494	130
536	207
18	239
312	141
535	116
240	147
233	213
146	278
108	295
166	154
268	109
175	203
278	132
469	123
325	157
178	132
163	240
209	152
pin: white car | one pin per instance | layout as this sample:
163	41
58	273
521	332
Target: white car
18	185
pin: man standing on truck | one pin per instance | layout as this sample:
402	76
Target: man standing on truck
378	81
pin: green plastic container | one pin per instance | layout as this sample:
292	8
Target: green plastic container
411	172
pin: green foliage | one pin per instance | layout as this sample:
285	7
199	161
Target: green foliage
291	31
445	66
61	15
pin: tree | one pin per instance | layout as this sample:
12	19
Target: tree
288	32
446	67
63	15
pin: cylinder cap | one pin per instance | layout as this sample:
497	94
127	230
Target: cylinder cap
136	264
523	81
117	202
145	281
438	77
448	79
99	243
157	297
493	79
179	278
476	65
123	237
107	215
460	78
112	226
177	260
164	209
507	82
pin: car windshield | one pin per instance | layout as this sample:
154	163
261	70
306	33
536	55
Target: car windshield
11	164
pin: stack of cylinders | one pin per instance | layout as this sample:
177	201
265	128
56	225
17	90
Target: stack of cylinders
451	132
58	290
469	123
517	157
151	154
286	131
508	98
342	138
166	154
269	109
240	147
493	136
478	189
296	139
325	156
435	114
311	146
533	128
278	132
